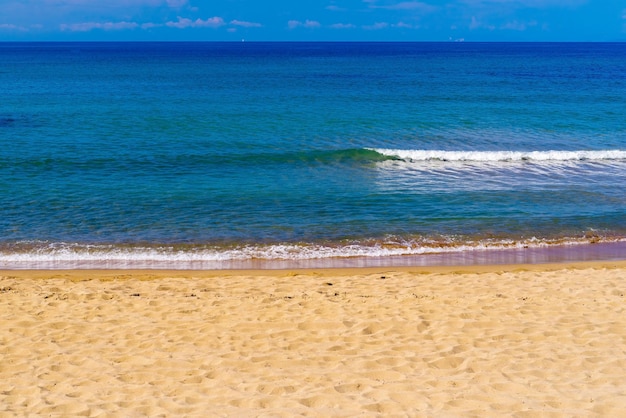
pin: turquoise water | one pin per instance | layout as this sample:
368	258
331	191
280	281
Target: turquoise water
205	154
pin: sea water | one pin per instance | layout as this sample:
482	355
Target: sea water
213	155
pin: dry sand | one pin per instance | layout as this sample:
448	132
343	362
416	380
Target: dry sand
523	341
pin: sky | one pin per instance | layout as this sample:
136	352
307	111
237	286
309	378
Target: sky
312	20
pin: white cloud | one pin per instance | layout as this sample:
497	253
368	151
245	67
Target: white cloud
85	15
150	25
538	4
176	3
409	5
245	24
519	26
12	27
403	25
376	26
183	22
342	26
114	3
477	24
88	26
293	24
334	8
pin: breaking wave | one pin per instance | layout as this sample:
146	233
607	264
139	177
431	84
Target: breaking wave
45	255
501	156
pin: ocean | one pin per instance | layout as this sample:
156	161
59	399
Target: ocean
283	155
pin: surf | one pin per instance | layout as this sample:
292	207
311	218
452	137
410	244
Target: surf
386	252
502	156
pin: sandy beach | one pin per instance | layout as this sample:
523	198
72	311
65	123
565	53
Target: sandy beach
517	340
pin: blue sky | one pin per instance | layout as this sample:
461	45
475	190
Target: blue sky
325	20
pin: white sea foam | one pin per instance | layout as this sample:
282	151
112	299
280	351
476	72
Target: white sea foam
61	255
502	156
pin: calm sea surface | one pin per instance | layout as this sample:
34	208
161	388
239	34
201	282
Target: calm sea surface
215	155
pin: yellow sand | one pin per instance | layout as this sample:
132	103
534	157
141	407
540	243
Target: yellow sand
517	341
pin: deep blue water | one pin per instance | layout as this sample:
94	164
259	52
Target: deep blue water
229	151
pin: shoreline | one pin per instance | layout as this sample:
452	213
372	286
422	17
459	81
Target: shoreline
571	253
162	274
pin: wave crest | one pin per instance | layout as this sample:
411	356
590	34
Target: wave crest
501	156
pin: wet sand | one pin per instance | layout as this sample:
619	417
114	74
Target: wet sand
499	340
